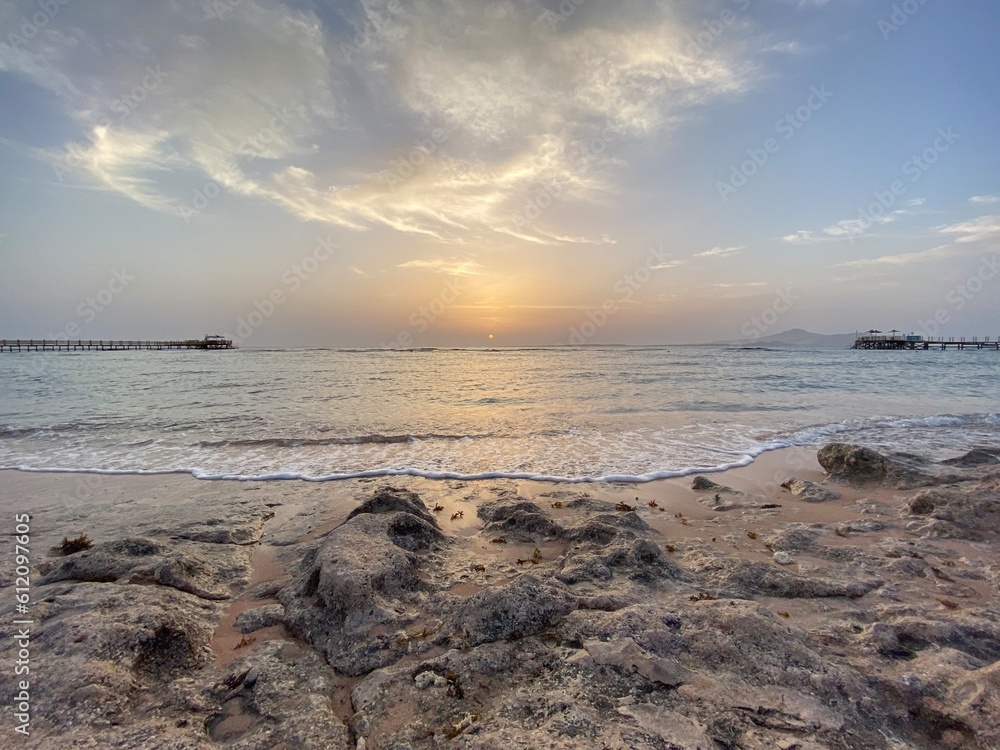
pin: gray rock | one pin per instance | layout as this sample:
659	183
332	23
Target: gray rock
269	589
275	700
976	457
242	528
499	511
605	528
591	504
524	526
853	463
105	651
722	498
359	566
585	567
968	509
809	492
783	558
394	500
975	700
360	576
639	560
259	618
626	654
860	466
704	483
797	539
206	571
523	607
860	526
747	578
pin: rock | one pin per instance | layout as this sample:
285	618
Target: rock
523	607
796	539
498	511
977	636
362	563
360	576
704	483
626	654
521	521
248	528
589	503
206	571
669	727
428	679
860	466
783	558
268	589
639	560
972	507
280	702
423	639
975	699
722	498
206	522
584	567
111	650
976	457
853	463
394	500
860	526
605	528
262	617
809	491
525	526
747	578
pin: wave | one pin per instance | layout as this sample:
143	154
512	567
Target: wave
719	453
400	472
355	440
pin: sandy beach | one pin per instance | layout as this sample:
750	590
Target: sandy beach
860	612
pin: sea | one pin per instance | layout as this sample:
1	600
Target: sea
565	414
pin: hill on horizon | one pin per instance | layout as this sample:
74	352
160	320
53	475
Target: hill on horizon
798	337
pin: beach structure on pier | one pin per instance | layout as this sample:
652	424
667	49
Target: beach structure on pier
93	345
898	340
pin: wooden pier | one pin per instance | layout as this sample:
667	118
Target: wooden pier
43	345
925	344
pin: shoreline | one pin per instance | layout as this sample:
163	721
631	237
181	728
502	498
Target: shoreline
233	558
808	437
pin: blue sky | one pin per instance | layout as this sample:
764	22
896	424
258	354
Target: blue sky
392	172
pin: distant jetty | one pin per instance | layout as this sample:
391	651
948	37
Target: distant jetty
912	341
93	345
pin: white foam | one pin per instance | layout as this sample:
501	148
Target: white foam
581	457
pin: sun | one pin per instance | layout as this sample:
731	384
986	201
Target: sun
490	337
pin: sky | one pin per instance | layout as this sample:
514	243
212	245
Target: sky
437	173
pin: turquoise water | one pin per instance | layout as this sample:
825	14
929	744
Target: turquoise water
630	413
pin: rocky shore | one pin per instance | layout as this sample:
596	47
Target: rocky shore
849	603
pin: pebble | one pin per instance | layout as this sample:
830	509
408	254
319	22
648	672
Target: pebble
783	558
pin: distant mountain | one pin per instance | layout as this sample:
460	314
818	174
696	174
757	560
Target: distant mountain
796	337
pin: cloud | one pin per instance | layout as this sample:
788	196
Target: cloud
848	228
804	237
449	266
903	259
667	264
982	228
278	104
358	271
975	230
721	252
980	200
